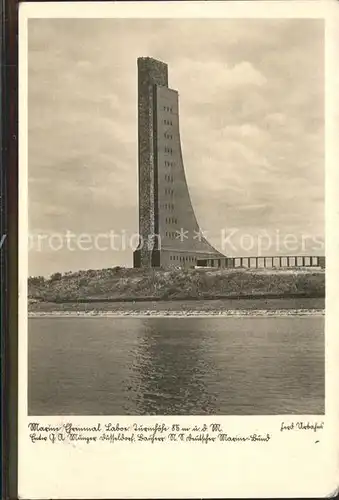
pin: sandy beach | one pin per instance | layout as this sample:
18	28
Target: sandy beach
236	313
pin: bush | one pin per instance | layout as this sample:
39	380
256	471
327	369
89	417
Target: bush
56	277
36	280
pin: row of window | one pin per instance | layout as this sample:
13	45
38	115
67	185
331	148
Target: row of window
171	220
166	108
168	122
168	136
167	206
171	234
168	178
169	191
169	163
183	258
168	150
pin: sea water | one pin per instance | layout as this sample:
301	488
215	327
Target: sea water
176	366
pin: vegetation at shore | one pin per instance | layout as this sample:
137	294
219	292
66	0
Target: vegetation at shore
127	284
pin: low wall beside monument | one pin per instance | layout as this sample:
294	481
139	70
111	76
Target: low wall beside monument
264	262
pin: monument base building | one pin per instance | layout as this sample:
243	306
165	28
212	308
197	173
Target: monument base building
170	235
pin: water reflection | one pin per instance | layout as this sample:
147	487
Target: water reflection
170	369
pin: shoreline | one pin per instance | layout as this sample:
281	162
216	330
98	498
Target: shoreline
235	313
188	298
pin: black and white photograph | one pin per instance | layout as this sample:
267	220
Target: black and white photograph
176	216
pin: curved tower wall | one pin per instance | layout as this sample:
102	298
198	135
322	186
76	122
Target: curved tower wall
168	228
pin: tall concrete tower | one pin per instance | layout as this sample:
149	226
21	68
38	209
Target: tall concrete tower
169	232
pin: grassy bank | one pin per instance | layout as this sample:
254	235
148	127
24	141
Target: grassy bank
180	306
134	285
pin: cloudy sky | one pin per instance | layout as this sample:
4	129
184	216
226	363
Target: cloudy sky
252	122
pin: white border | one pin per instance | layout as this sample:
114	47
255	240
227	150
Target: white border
291	465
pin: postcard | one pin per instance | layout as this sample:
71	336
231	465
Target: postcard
178	250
